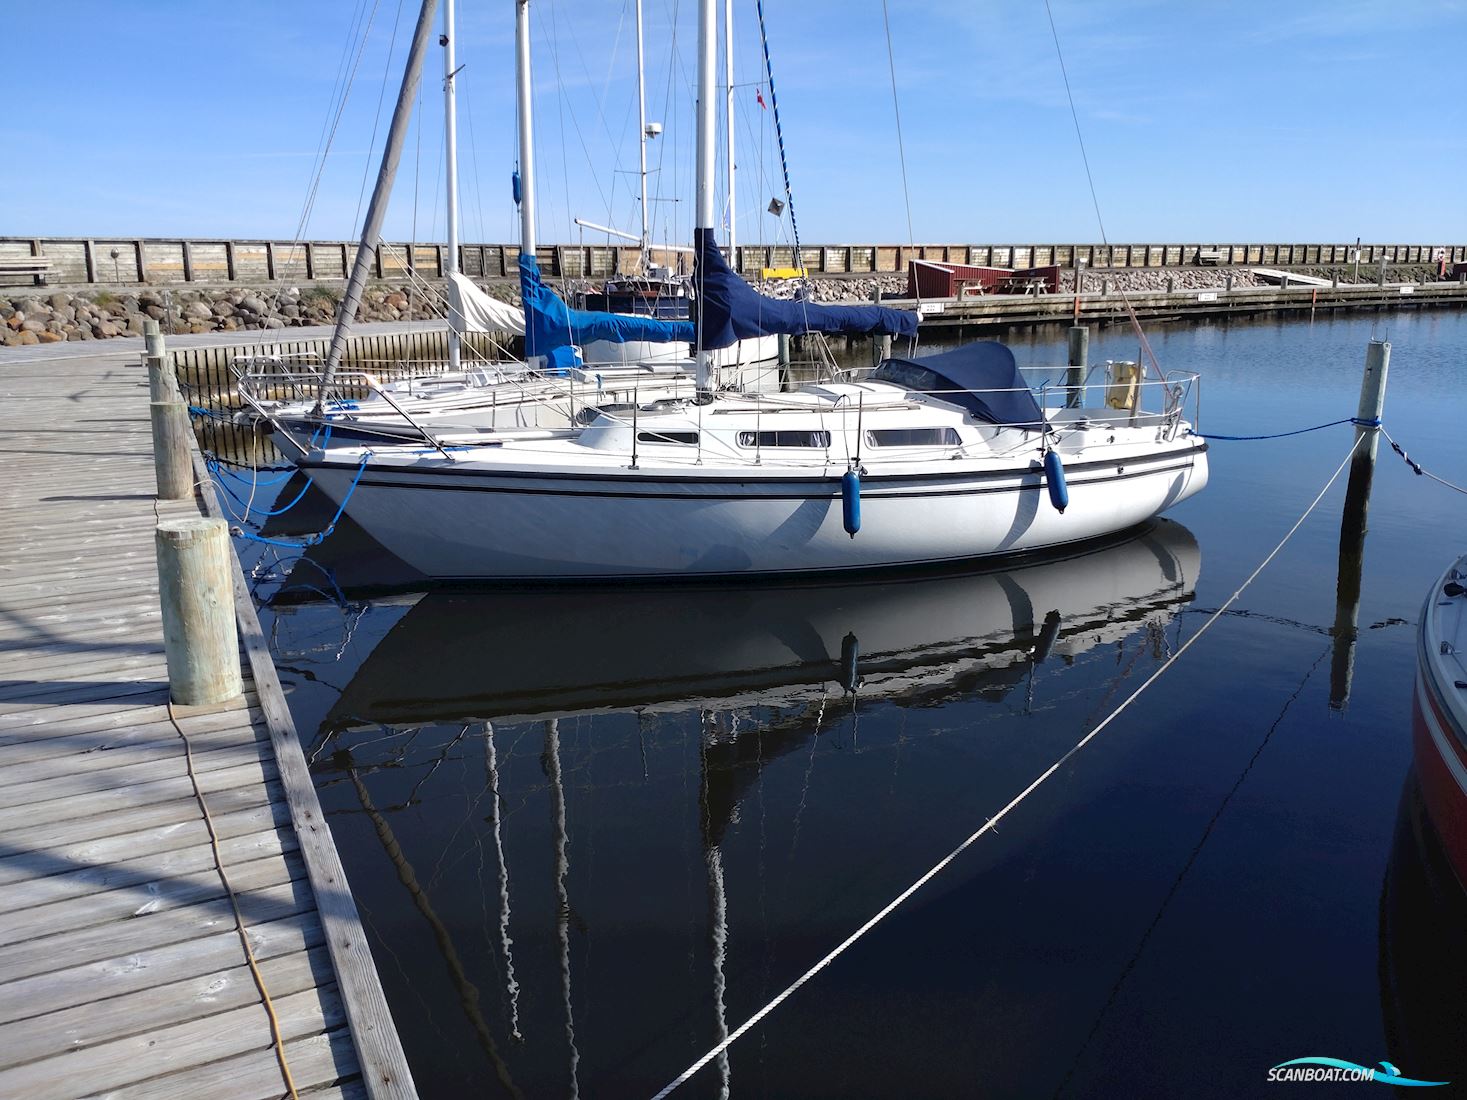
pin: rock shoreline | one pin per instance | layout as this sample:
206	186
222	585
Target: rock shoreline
41	318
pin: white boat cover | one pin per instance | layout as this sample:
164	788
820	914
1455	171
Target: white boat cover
471	310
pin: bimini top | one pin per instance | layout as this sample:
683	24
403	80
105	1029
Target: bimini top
551	326
988	366
729	309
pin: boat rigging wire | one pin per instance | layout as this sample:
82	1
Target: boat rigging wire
377	118
1095	199
991	823
896	110
779	134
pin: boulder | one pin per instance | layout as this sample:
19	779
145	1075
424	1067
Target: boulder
274	322
223	309
29	338
60	301
135	323
50	337
32	324
156	312
197	311
253	304
32	307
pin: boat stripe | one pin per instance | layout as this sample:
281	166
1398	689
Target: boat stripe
621	474
825	490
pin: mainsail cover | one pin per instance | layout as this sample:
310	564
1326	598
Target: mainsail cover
551	326
729	309
471	310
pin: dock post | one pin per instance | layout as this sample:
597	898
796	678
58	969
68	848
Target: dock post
172	460
162	386
1353	522
880	345
197	598
1228	283
1079	355
784	349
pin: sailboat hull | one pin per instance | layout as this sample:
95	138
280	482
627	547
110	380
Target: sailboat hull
470	521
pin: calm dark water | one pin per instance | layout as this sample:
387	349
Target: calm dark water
592	833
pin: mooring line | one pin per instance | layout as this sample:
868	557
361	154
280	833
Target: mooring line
1416	467
990	823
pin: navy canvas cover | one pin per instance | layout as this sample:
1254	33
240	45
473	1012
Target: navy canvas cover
729	309
551	326
987	366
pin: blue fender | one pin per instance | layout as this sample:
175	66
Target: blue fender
850	501
1054	478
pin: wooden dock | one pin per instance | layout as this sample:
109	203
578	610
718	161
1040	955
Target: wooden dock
122	970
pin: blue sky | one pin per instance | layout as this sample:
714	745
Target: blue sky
1302	121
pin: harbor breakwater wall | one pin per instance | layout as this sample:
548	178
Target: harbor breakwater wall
42	315
151	261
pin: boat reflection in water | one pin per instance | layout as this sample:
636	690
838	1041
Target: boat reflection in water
508	655
1423	947
511	698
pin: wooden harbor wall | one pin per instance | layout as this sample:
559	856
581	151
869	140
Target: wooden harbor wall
131	261
122	971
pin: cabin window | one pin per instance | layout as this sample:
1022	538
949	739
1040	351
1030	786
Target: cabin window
913	437
785	437
687	439
910	376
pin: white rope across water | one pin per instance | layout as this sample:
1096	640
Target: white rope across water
992	822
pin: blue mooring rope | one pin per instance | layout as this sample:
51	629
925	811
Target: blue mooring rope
309	540
1372	423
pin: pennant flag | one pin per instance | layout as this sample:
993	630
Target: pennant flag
759	95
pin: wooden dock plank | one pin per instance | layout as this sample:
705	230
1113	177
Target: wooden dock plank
121	969
152	897
142	871
85	1026
186	1045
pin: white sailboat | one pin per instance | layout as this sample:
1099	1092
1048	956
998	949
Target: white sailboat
928	460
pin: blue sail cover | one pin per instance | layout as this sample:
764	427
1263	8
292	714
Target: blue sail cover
986	366
729	309
551	326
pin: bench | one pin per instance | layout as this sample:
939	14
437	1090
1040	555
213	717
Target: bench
1208	257
36	267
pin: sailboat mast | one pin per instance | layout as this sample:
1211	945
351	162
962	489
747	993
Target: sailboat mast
377	208
728	111
707	50
642	130
527	136
450	148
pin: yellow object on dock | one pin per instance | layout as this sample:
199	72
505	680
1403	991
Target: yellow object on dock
782	273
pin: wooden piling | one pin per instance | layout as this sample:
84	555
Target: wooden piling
196	592
1079	340
172	461
1353	524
